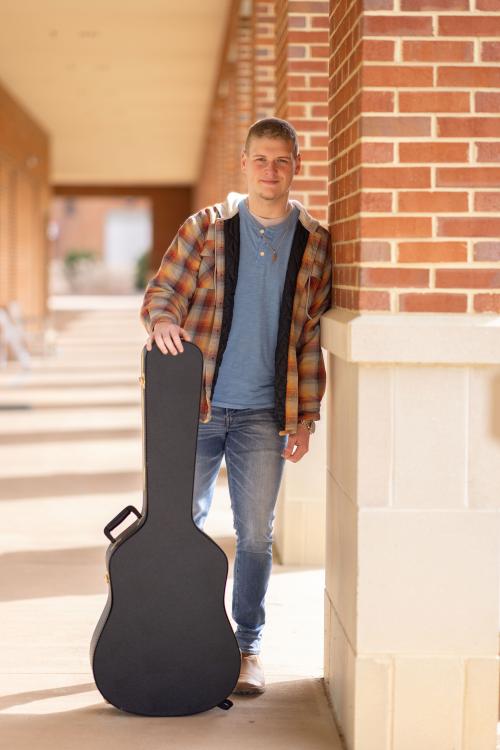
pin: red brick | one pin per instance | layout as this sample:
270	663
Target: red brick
490	51
377	101
396	75
374	251
468	278
487	101
468	177
419	5
304	184
307	37
488	5
309	125
296	22
376	202
297	110
475	226
432	302
487	303
469	76
308	66
431	202
469	25
319	141
487	201
319	50
377	152
432	252
318	82
433	152
308	6
434	101
295	51
378	5
377	49
368	300
396	25
395	127
320	22
318	170
312	154
308	95
468	127
298	82
487	251
437	51
395	226
396	177
393	277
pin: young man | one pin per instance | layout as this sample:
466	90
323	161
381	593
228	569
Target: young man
247	280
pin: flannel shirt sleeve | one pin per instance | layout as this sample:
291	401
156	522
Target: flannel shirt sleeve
170	290
310	364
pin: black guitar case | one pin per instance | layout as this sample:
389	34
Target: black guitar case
164	645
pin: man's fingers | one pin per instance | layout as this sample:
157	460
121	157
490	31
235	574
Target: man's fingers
160	343
177	341
299	453
185	334
294	450
170	344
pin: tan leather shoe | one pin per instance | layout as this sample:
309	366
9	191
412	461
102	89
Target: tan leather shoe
251	680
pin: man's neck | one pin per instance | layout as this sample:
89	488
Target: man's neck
268	209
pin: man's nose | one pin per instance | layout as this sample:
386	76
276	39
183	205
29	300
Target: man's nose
271	168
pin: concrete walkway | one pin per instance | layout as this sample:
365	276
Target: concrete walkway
70	459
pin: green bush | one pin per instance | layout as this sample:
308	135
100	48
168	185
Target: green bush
142	270
75	257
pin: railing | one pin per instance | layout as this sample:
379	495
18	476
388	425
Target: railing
13	336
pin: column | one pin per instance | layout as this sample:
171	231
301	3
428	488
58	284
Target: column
413	457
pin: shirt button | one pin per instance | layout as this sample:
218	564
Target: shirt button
262	252
262	231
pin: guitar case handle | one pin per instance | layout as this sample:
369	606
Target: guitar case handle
117	520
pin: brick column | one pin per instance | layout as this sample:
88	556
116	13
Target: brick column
264	58
302	98
302	92
231	112
414	363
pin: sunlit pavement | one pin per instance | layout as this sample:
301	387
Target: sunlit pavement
70	459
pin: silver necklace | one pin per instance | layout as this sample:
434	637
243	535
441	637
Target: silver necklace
261	231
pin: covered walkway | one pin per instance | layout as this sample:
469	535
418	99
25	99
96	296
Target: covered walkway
70	458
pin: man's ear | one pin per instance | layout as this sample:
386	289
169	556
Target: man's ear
298	163
243	161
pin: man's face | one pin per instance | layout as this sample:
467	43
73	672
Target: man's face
270	167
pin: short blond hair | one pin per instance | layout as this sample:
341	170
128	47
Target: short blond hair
273	127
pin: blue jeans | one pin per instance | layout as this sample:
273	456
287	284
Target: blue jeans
250	440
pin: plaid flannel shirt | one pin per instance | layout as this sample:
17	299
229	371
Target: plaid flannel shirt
188	289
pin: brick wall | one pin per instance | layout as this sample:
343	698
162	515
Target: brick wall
230	113
24	201
415	167
264	58
302	92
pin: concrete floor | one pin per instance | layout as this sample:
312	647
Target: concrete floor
70	459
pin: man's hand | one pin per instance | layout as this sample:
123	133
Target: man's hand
167	337
300	442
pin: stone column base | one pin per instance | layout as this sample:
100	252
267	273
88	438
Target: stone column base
412	528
